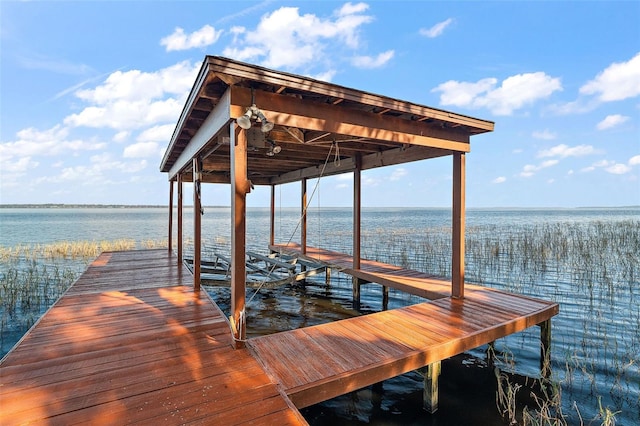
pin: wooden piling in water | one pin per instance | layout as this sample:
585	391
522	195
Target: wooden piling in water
430	394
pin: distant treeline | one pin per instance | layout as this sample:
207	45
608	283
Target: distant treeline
89	206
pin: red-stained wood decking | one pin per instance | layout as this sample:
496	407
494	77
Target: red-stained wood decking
317	363
413	282
131	342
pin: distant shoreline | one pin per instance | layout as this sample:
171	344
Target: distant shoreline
155	206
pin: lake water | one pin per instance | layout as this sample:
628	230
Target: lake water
551	254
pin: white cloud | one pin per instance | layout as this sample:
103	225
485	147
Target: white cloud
127	115
614	167
203	37
136	85
99	170
531	169
141	150
437	29
514	93
370	62
620	80
545	135
121	136
398	173
370	181
618	169
51	142
499	179
157	134
19	166
564	151
325	76
611	121
136	99
286	39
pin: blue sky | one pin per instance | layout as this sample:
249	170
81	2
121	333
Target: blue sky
90	93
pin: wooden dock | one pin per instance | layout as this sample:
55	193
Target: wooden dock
413	282
131	342
317	363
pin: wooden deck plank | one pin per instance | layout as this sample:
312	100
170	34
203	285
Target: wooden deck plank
129	343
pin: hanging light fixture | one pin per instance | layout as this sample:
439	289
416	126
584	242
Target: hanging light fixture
266	126
273	149
253	113
244	121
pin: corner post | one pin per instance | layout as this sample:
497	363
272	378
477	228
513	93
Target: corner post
197	222
545	349
458	221
430	394
240	187
357	225
170	230
272	217
303	217
179	207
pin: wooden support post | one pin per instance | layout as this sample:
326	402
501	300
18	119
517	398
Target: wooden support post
357	211
179	207
240	187
457	244
303	215
356	292
357	216
385	297
545	349
491	354
327	275
272	217
430	394
170	231
197	223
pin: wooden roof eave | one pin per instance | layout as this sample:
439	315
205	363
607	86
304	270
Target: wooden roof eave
201	81
214	125
296	82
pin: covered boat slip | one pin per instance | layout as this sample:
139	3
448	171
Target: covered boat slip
249	126
246	125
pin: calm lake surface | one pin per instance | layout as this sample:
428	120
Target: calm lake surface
575	257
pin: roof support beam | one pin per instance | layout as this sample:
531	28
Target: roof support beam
371	161
289	111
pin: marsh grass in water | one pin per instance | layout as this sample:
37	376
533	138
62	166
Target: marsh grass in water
592	269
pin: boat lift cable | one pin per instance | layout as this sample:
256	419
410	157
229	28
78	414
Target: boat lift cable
304	212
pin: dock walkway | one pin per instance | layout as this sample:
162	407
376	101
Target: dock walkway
130	342
320	362
413	282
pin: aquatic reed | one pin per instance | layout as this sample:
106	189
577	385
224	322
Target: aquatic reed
591	268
